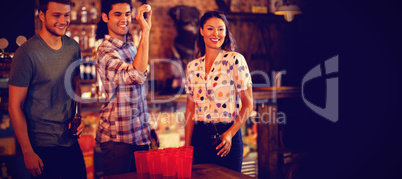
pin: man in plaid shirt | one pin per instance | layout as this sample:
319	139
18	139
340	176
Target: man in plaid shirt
123	127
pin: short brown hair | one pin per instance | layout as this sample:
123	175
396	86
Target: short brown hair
43	4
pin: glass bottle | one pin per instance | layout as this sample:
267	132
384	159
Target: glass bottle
88	69
73	13
93	70
93	13
84	40
76	120
92	39
75	35
82	69
83	13
68	33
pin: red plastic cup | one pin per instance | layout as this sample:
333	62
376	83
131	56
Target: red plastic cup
163	158
141	162
187	147
184	165
154	162
168	163
188	153
171	149
186	150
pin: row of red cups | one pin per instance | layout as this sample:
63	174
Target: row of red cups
168	162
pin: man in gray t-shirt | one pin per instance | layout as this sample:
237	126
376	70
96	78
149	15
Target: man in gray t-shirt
39	105
47	106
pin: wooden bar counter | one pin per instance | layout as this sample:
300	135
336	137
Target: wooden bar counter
268	146
199	171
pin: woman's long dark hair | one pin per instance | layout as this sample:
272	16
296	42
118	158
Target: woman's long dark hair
229	44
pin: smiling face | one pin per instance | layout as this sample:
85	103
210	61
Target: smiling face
118	20
214	33
56	19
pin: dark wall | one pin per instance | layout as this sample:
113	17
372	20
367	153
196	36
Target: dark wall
16	18
365	142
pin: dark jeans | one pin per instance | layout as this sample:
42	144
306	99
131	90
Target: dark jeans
118	158
204	152
62	162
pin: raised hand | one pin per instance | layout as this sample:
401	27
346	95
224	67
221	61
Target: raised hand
145	23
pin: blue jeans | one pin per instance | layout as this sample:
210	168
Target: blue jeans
204	152
62	162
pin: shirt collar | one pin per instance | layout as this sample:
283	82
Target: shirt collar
118	43
202	59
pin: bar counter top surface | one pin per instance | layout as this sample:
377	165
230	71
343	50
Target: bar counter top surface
199	171
259	93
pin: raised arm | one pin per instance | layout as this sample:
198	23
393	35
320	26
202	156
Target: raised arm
112	70
16	104
141	59
112	67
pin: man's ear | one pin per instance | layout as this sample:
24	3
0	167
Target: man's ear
42	16
104	17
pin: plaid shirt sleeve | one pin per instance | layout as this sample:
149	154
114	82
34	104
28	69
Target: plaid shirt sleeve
118	71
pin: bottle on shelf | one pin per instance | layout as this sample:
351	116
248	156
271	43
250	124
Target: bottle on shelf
82	69
75	35
93	70
92	39
93	13
83	13
68	32
88	69
73	13
84	40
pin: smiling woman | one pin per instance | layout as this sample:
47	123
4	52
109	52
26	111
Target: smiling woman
220	20
218	86
214	33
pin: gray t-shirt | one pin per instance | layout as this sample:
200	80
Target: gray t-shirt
47	106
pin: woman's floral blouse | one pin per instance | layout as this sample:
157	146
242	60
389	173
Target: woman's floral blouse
216	93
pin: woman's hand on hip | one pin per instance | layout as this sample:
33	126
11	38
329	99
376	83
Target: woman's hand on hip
225	145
